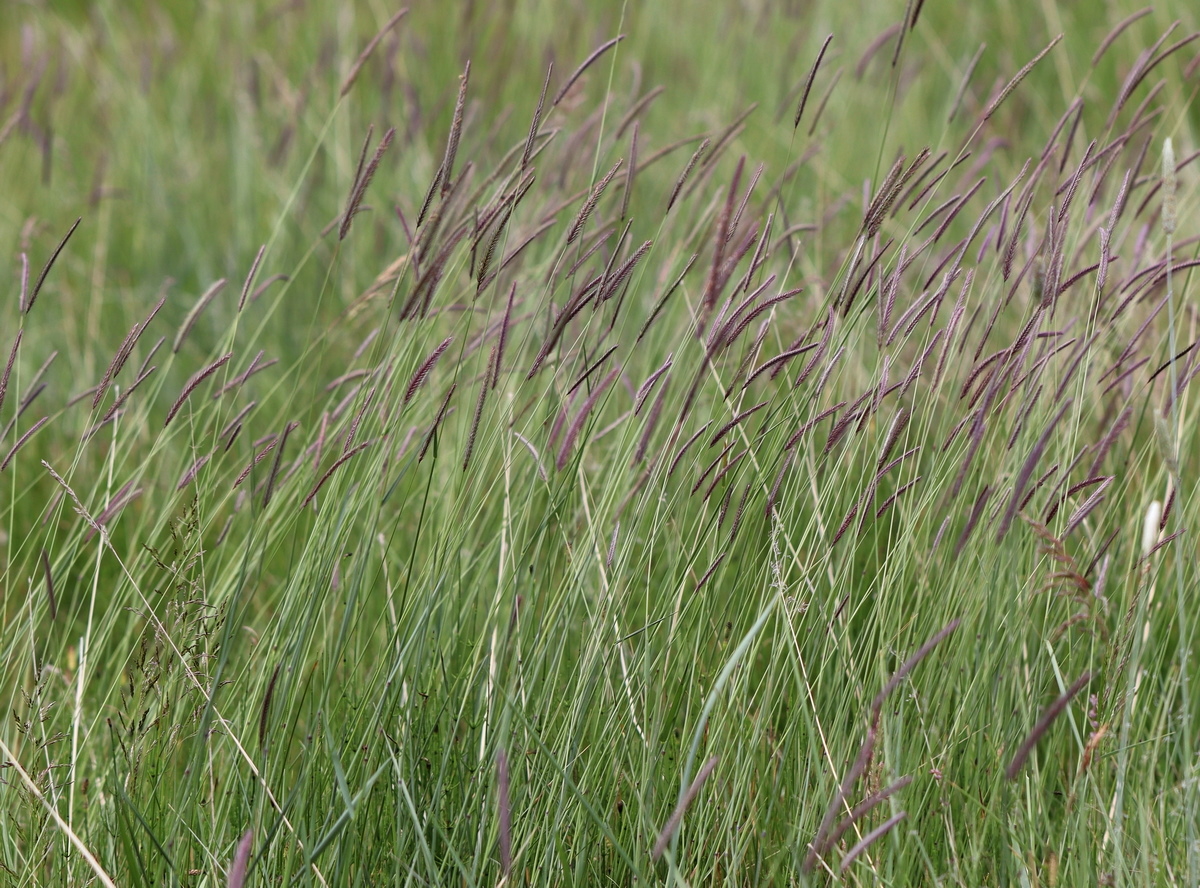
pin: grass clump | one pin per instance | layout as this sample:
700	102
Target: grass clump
752	457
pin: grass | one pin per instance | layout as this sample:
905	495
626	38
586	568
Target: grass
533	504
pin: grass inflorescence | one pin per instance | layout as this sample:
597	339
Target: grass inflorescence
596	478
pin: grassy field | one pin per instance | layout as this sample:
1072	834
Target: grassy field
467	448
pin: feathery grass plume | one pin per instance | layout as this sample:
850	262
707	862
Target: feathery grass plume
725	470
672	825
761	253
822	347
722	324
952	215
190	320
900	491
1105	444
873	48
564	452
437	421
630	171
265	710
262	288
537	120
361	182
1151	528
965	82
737	518
869	839
591	369
658	306
258	457
644	391
894	431
973	518
50	599
241	861
418	378
808	83
587	63
651	422
190	474
1102	267
489	253
504	811
851	291
722	141
12	357
737	215
590	204
809	424
889	191
516	251
730	333
254	367
270	485
729	426
417	305
120	500
612	546
749	355
1043	724
428	202
821	843
455	131
341	461
236	421
1027	468
483	390
700	585
79	508
776	363
599	240
122	355
855	412
1116	32
358	419
716	279
119	402
1141	67
24	280
635	110
250	277
33	430
37	287
687	171
621	274
1169	180
865	807
119	358
682	450
774	492
712	465
352	75
837	76
995	104
193	383
504	326
1087	506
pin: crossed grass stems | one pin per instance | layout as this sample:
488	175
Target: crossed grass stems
1020	328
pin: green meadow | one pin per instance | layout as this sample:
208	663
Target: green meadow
599	443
